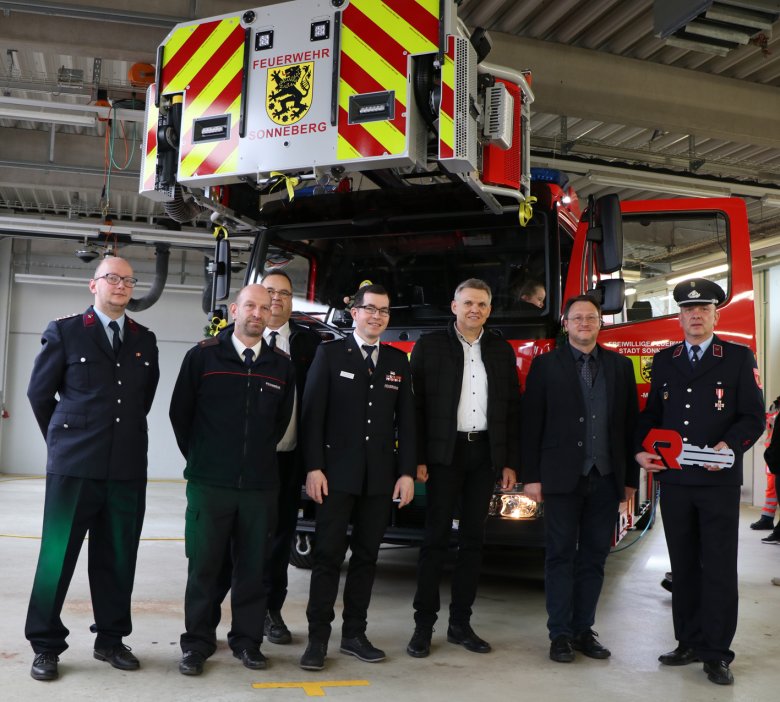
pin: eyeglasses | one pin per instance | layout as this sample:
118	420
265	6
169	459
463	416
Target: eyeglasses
284	294
581	319
371	310
114	279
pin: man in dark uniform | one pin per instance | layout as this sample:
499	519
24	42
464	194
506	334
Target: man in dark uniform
358	433
91	388
707	390
579	415
230	407
467	396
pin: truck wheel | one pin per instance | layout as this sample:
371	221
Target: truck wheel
301	551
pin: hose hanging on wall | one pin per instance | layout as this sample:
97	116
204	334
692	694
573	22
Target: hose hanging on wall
162	251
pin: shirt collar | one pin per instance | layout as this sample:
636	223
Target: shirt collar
362	342
240	346
704	345
105	319
464	340
283	331
579	354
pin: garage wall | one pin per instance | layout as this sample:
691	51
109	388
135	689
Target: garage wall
176	319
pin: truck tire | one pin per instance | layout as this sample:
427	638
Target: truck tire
301	551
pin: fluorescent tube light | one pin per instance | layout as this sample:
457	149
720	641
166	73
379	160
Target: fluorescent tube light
53	117
658	185
704	273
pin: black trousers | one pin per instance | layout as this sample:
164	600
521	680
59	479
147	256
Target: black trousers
578	531
219	519
701	524
468	482
370	516
112	512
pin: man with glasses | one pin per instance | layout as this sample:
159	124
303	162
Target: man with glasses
358	432
466	395
91	388
579	414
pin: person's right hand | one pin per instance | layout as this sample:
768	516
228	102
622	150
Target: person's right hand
533	490
422	473
316	485
646	460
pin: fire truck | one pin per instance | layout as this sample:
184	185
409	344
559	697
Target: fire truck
360	140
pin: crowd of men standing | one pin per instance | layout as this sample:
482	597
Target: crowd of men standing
358	422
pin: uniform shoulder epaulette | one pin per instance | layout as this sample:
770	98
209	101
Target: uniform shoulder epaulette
209	341
67	316
281	352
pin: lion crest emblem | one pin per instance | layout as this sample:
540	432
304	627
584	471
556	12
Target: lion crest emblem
646	367
289	92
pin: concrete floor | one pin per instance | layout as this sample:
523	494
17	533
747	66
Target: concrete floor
634	621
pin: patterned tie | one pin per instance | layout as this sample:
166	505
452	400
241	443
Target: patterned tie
587	374
369	357
249	356
272	340
695	356
116	342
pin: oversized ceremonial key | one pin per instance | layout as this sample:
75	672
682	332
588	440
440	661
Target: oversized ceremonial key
675	454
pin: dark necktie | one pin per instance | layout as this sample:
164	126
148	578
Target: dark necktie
695	355
249	356
272	340
587	371
369	357
116	342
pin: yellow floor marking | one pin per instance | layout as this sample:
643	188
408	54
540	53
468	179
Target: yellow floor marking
312	689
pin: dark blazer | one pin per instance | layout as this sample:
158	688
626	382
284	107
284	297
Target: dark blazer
96	428
687	401
437	370
303	346
352	421
553	421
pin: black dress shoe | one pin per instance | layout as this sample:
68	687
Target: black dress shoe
666	585
313	657
362	649
588	644
419	645
764	523
682	655
44	666
718	672
118	656
463	635
251	658
561	650
275	629
191	663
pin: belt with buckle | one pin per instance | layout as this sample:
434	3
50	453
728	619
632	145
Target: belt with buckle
472	436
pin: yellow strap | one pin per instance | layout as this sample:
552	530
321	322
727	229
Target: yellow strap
220	230
289	181
526	211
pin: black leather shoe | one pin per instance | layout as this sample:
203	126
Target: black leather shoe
588	644
191	663
118	656
666	584
463	635
362	649
275	629
313	657
44	666
764	523
419	645
682	655
251	658
718	672
561	650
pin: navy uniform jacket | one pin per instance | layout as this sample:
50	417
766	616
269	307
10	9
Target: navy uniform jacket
553	421
720	401
303	346
97	427
228	418
350	420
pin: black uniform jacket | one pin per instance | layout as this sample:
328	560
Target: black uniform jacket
303	346
719	401
228	418
553	421
351	420
437	369
90	405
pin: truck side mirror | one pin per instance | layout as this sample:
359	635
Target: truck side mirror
222	269
611	294
606	232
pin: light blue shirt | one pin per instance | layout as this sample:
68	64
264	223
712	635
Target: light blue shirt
105	319
704	345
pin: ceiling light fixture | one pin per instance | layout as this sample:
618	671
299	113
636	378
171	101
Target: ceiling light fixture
52	117
657	185
704	273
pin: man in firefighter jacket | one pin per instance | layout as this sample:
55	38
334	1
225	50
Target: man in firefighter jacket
230	407
91	388
358	434
707	390
579	415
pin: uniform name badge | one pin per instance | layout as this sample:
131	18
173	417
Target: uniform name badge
675	453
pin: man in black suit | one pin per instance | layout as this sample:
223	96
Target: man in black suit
91	388
466	394
358	432
231	405
579	415
708	391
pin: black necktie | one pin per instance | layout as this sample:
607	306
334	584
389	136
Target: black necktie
369	357
249	356
272	340
695	355
587	374
116	342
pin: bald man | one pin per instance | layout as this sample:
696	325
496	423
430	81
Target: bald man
91	388
230	408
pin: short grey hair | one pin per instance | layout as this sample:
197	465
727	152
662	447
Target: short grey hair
475	284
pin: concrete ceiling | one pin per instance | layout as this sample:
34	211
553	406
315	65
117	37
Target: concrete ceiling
612	99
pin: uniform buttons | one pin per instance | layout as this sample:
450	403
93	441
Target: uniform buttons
117	419
118	382
687	406
593	417
369	421
688	390
65	425
83	360
370	403
582	419
119	402
579	443
370	387
366	437
117	365
686	422
685	438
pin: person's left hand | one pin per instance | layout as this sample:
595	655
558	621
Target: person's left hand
508	479
404	489
718	447
630	492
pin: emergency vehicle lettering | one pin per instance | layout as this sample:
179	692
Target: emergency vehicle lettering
287	131
285	59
